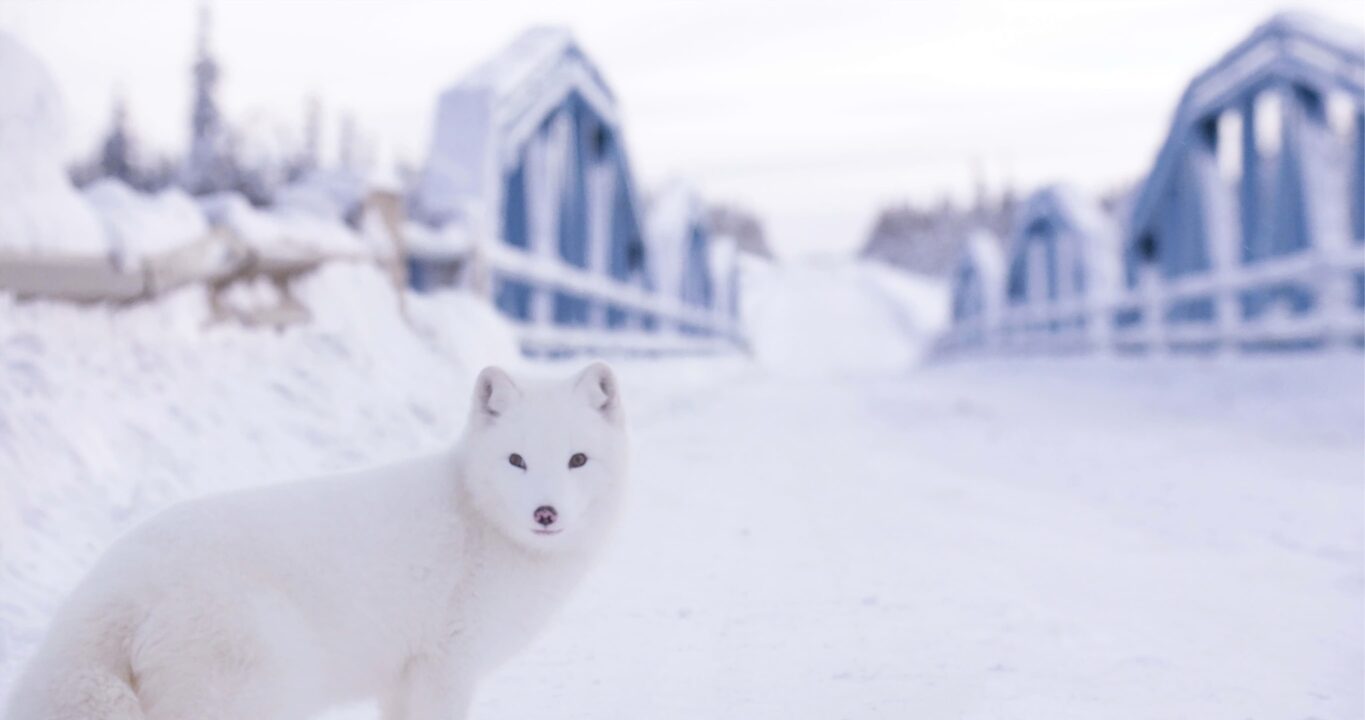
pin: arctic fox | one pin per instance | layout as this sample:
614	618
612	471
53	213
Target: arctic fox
404	583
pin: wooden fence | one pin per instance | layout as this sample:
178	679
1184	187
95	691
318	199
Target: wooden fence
1306	300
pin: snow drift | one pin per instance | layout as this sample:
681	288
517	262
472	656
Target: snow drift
139	225
40	212
109	415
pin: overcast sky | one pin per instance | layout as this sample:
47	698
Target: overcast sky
812	114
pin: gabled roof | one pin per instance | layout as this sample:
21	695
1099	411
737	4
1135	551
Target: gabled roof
486	118
1079	215
1069	207
534	71
534	52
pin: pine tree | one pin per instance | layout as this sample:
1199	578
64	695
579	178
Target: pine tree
208	167
116	152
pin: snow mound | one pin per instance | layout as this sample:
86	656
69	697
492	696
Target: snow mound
290	232
331	194
111	414
139	225
450	240
40	213
825	318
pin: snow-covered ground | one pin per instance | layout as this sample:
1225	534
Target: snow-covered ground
107	416
831	528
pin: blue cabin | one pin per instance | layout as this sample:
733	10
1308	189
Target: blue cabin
1061	263
726	258
977	282
527	153
1264	162
679	245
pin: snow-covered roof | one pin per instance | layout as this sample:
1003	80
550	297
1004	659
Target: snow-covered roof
1070	207
141	224
288	232
40	212
331	194
449	241
1078	215
483	121
533	54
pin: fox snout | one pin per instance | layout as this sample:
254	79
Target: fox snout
546	515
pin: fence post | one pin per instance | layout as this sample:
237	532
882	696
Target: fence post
1153	317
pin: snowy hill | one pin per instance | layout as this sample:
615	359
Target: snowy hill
883	319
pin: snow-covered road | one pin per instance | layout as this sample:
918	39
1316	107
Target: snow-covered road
1074	539
830	529
838	532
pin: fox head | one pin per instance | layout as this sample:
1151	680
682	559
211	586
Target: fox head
545	463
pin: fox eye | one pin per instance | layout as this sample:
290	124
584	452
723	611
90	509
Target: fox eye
516	460
578	460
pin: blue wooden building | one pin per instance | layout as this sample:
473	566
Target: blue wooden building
1061	267
1253	209
528	155
977	285
679	245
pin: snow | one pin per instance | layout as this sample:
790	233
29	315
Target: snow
139	225
529	55
830	528
328	194
673	211
881	319
449	241
488	117
40	213
1061	539
982	252
1094	234
109	415
291	231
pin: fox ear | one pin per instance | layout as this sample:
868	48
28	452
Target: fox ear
494	393
598	384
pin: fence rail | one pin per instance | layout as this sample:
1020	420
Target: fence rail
681	328
1301	300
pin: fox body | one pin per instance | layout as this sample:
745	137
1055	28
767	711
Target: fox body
404	583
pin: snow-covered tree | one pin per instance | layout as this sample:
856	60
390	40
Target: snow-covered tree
116	153
209	166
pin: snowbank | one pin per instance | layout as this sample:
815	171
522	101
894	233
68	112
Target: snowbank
287	232
110	415
139	225
880	319
325	194
40	213
448	241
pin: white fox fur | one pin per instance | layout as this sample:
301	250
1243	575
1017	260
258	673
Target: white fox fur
405	583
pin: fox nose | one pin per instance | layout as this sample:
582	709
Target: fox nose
546	515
